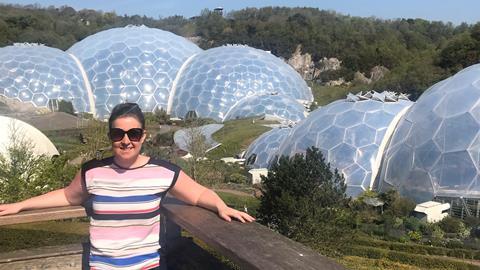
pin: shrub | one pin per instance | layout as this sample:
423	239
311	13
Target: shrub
305	200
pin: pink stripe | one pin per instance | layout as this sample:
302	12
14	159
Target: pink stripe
109	173
127	211
122	233
151	266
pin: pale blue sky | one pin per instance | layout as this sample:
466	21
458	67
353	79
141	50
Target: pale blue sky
455	11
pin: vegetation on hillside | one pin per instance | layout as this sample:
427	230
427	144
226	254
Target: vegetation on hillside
417	52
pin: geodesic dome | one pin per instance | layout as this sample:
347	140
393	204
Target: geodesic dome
213	81
132	64
278	106
23	132
349	133
263	150
35	74
435	150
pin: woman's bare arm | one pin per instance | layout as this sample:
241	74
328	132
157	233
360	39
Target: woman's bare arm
71	195
193	193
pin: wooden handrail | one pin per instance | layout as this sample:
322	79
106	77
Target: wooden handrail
250	246
43	215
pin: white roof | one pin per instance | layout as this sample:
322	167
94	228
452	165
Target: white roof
41	145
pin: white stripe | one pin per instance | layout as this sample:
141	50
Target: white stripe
125	206
125	243
122	193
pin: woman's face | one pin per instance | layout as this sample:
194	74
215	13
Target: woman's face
127	149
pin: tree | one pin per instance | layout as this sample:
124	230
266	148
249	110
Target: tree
24	174
304	199
196	144
94	139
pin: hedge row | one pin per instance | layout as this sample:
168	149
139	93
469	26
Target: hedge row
421	249
406	258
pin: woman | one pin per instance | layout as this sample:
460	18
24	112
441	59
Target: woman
122	196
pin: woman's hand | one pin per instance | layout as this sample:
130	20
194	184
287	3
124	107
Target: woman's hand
228	213
10	209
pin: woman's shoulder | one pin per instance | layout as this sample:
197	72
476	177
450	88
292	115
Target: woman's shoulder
97	163
164	163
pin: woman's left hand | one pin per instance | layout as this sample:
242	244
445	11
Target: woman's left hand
228	213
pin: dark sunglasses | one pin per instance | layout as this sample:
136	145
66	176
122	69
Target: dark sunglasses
117	134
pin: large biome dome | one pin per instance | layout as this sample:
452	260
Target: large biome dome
435	150
349	133
36	74
132	64
213	81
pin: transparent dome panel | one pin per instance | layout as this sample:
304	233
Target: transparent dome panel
278	106
440	134
263	150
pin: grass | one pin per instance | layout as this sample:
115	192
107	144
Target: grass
39	234
240	202
237	135
360	263
323	95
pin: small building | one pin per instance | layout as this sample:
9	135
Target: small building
431	211
255	175
233	160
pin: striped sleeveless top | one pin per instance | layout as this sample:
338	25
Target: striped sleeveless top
124	211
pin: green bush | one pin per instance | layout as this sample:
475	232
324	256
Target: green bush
23	174
407	258
419	249
305	200
451	225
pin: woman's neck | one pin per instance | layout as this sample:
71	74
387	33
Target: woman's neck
133	163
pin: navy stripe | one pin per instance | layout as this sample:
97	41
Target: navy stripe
123	261
137	199
125	216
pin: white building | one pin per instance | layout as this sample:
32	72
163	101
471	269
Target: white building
431	211
255	175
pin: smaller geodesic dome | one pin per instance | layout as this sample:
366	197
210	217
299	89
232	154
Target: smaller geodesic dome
281	107
213	81
132	64
183	138
349	133
36	74
263	150
15	129
435	150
